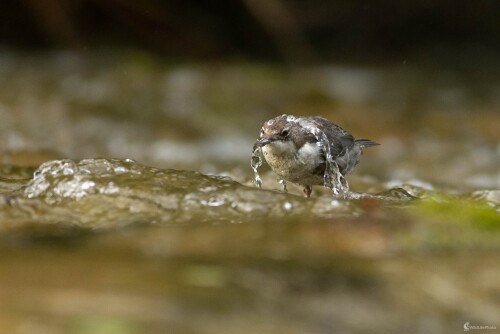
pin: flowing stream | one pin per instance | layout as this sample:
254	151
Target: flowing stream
127	204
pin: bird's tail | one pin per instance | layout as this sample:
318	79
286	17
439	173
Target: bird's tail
363	143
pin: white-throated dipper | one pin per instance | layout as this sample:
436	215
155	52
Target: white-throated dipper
310	151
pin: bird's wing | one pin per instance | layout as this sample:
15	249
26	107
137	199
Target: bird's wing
339	139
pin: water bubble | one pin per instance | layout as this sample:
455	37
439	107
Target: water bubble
215	202
75	188
87	185
287	206
68	171
120	170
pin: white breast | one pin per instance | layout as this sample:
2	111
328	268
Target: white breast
292	164
310	153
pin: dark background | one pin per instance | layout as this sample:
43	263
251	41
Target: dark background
446	32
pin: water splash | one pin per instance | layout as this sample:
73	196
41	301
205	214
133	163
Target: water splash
60	179
333	178
256	162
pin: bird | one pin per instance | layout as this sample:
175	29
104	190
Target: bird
310	150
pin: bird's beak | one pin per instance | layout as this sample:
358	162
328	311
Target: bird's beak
264	141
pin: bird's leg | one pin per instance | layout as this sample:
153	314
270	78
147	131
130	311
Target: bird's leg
308	190
283	184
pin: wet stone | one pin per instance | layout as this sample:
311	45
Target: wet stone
107	193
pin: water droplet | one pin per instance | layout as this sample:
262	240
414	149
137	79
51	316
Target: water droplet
120	170
213	201
87	185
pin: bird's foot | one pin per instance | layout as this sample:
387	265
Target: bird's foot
307	191
283	184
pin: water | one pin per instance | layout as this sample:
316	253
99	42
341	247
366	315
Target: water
127	204
333	178
255	162
112	243
106	193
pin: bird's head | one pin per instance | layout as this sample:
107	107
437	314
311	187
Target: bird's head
278	129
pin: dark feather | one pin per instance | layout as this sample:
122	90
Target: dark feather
365	143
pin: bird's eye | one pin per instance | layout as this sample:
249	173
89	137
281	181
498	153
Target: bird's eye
284	133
